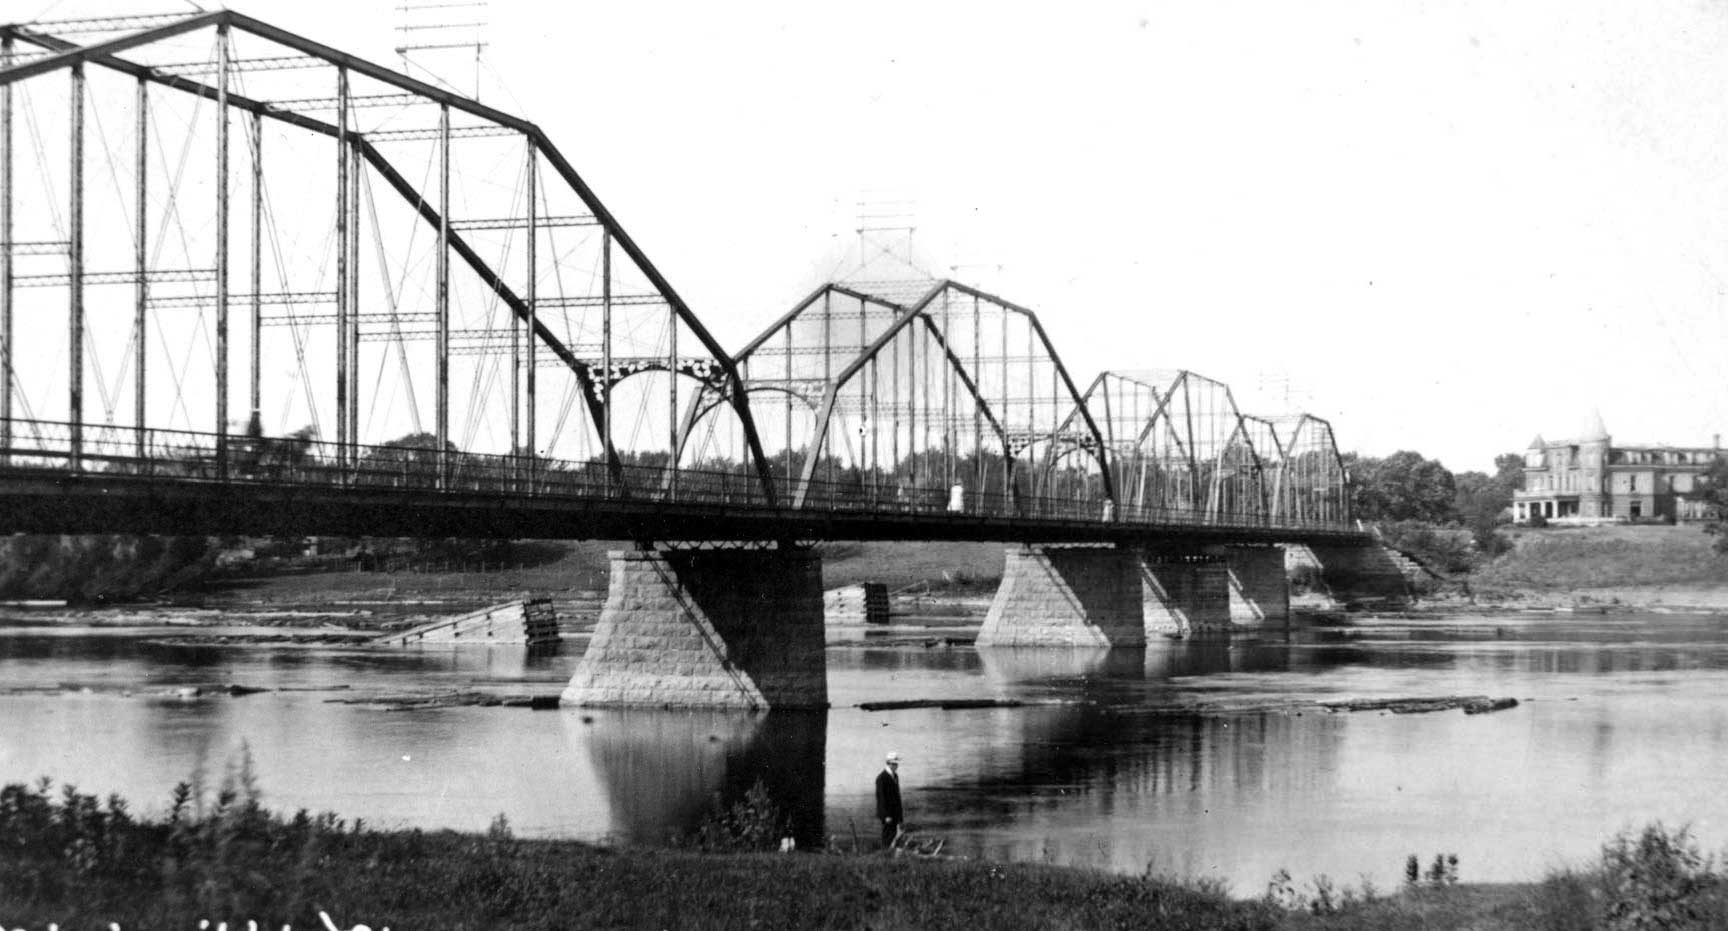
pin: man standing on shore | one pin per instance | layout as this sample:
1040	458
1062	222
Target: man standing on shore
888	810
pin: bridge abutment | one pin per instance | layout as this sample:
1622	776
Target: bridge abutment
707	629
1066	596
1361	576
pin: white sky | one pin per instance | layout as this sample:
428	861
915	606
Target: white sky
1449	225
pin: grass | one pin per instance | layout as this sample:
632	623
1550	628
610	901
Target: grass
77	861
1571	558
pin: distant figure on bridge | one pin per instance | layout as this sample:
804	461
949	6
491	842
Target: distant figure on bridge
1109	510
957	498
888	810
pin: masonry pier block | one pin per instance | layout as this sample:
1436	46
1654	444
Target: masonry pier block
707	629
1066	596
1259	586
1185	593
1360	576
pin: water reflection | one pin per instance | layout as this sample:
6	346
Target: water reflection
1210	757
661	772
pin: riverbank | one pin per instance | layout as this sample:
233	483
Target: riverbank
1641	566
77	862
1589	569
74	861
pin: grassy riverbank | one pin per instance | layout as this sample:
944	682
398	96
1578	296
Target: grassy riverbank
1651	564
568	569
80	862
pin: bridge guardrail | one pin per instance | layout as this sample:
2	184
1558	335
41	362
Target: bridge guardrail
193	456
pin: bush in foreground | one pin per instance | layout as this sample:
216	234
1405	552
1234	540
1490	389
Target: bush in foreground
81	862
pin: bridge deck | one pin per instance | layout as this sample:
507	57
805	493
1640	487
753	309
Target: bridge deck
55	501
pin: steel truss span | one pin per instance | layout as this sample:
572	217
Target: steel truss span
251	282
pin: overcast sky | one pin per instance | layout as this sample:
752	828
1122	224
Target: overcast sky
1444	226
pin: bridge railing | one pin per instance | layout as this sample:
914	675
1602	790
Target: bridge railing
180	455
194	456
891	500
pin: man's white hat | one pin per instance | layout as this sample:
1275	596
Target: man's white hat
893	756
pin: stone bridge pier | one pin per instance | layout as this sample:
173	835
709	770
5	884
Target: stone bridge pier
739	629
1090	596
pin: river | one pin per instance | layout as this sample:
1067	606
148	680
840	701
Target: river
1196	758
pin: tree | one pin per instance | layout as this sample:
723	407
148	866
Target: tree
1712	489
1402	486
1481	500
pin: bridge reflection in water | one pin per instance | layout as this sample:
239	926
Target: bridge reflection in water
1117	759
662	773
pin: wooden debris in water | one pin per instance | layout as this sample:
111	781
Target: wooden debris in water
946	704
1472	704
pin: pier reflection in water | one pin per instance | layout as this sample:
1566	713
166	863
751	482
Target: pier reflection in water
1208	758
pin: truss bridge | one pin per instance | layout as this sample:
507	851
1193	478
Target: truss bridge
253	284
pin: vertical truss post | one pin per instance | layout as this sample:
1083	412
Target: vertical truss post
1008	497
355	167
222	250
75	280
947	372
606	357
342	271
6	46
875	426
864	421
443	295
255	423
788	477
978	402
140	286
1108	453
1032	413
894	411
827	379
525	333
672	402
914	382
1055	456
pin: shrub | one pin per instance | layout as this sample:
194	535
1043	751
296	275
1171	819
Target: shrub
752	823
1655	880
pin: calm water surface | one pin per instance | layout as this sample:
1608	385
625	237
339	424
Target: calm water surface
1207	759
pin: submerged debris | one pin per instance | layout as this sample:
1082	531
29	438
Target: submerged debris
946	704
462	699
1472	704
1490	706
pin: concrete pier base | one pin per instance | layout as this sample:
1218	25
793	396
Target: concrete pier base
1259	587
1058	596
1185	594
707	629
